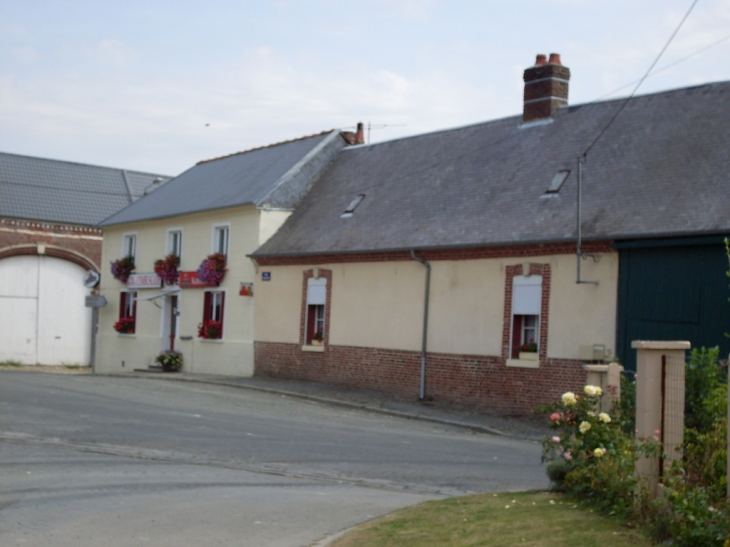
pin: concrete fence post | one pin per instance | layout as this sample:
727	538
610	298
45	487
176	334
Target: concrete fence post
660	370
608	378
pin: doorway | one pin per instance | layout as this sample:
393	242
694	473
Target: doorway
170	313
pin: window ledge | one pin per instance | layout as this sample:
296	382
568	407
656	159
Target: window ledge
522	363
313	348
211	340
126	334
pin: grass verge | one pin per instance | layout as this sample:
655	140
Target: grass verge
534	519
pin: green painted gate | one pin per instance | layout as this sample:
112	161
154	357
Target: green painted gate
673	290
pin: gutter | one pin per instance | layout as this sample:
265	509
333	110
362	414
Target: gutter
422	390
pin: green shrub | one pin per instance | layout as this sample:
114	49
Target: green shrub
590	456
705	393
627	404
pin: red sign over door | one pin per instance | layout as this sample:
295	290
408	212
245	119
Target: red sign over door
190	280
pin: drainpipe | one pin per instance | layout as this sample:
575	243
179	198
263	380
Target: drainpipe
422	392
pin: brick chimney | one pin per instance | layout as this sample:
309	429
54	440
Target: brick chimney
355	138
546	88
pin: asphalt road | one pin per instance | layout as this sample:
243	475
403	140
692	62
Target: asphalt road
89	460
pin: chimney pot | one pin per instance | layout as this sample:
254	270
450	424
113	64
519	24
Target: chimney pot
555	59
540	60
360	135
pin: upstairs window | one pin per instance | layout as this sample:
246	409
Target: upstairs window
220	239
129	245
174	242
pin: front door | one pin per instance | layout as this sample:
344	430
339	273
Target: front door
169	321
173	321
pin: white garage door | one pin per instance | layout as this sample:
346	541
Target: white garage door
42	314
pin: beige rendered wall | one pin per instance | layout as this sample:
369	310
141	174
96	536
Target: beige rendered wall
270	222
380	304
232	355
582	314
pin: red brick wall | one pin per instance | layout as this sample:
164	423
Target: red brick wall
479	381
535	269
466	253
79	244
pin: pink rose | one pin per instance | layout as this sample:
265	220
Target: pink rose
556	439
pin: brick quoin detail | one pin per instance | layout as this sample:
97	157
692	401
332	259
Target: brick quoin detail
511	272
474	381
466	253
308	274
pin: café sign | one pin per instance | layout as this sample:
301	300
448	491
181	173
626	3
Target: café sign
144	281
190	280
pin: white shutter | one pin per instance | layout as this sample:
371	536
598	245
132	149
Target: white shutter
527	295
316	291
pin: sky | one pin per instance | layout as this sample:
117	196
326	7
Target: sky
158	85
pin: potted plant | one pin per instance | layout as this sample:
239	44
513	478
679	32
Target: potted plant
125	325
318	338
122	268
167	269
210	330
170	360
528	352
213	268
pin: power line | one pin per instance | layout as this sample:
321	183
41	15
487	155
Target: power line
670	65
626	102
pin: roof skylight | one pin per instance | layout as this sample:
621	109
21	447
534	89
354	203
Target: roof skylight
557	182
353	205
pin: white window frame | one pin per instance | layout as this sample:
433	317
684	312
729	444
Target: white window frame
316	296
214	293
129	306
215	238
525	308
126	238
129	303
169	247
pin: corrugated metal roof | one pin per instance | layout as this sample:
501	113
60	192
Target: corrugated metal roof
663	168
239	179
61	191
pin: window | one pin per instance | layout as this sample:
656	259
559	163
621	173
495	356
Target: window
129	245
127	322
213	310
353	205
526	307
220	239
557	182
174	242
315	312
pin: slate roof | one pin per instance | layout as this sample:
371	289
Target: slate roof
61	191
275	176
662	169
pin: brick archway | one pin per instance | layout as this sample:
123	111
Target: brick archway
49	250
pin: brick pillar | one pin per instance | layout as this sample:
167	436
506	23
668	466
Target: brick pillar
659	385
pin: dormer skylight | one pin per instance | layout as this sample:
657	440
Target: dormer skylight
557	182
353	205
